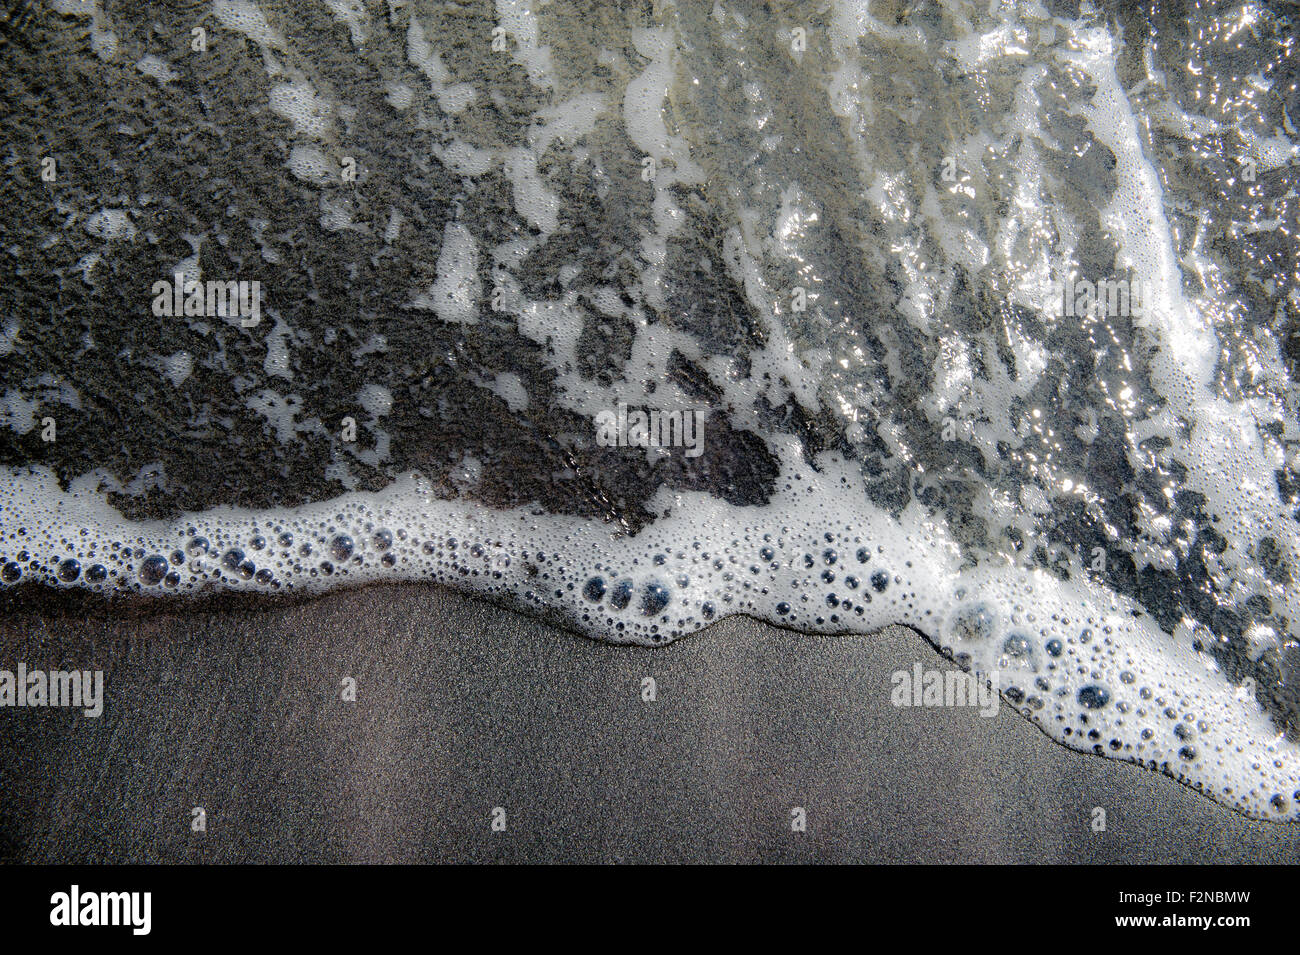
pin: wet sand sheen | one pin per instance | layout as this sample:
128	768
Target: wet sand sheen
463	706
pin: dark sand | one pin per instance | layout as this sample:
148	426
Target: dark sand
464	706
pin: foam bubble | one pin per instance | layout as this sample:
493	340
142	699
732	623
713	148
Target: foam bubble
1087	665
944	451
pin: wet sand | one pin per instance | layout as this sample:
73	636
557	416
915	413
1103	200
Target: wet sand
463	706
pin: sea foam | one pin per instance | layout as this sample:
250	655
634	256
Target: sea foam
1094	508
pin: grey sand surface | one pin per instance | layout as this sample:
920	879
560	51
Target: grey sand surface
463	706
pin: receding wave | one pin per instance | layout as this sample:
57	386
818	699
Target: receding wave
977	318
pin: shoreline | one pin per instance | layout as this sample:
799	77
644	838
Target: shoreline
463	707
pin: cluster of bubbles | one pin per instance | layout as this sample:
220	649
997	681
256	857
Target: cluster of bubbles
1092	671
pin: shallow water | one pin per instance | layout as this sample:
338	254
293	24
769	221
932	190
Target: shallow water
977	318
